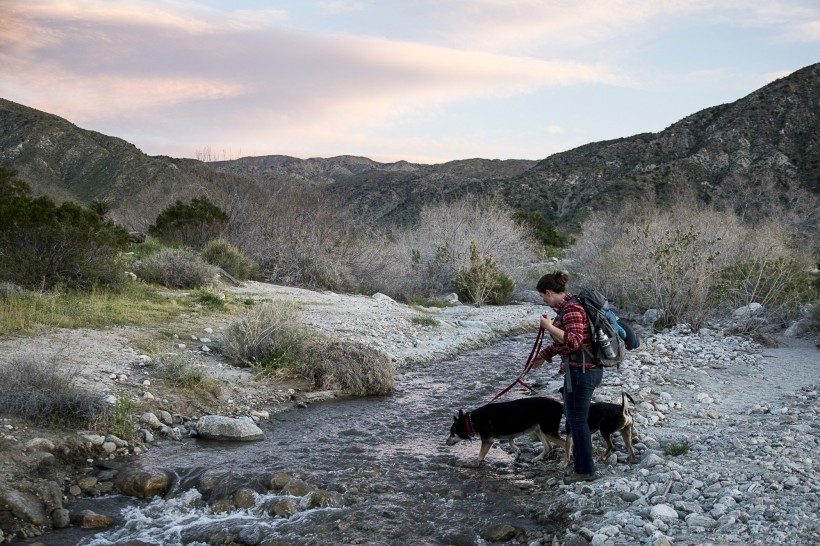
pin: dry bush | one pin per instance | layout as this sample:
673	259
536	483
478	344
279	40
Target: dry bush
45	394
351	367
301	239
270	337
425	259
673	260
176	268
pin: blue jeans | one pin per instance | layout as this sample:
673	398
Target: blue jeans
579	384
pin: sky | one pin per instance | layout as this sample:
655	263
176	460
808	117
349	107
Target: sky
425	81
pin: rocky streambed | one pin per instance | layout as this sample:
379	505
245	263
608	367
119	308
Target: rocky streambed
748	416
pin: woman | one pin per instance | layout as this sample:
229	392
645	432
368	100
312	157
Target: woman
570	333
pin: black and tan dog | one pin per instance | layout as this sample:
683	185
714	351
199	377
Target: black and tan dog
508	421
609	418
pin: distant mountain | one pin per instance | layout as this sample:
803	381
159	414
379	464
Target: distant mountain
759	156
59	159
380	193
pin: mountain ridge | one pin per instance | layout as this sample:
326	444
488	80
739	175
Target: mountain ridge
758	156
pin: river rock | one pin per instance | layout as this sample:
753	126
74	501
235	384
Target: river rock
497	533
88	519
244	498
23	505
60	518
218	427
296	487
325	499
285	508
40	444
137	482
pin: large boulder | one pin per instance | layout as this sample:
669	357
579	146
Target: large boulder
217	427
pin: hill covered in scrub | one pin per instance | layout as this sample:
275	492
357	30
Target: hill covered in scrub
758	156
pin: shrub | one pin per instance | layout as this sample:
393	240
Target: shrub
351	367
192	224
223	254
542	229
43	245
181	370
673	260
424	321
299	237
121	422
269	337
176	268
482	281
425	259
45	394
781	285
677	448
209	298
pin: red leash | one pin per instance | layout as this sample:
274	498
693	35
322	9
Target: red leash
527	367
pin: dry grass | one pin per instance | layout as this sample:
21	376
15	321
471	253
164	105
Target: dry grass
45	394
351	367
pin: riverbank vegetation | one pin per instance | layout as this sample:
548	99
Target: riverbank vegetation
690	263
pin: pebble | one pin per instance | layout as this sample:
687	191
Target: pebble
749	476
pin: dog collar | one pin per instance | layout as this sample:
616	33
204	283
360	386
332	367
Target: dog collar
468	421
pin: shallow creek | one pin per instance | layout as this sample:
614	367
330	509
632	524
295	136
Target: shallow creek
385	457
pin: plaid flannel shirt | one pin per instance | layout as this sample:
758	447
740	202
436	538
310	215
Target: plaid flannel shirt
572	319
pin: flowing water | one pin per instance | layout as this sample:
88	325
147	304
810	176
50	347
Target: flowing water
384	458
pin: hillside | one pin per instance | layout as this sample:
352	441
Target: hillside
59	159
759	156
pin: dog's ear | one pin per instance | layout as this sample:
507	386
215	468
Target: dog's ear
455	419
460	414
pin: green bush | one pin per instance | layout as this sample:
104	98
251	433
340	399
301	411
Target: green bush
176	268
677	448
269	337
192	224
45	394
482	281
43	245
542	229
781	285
223	254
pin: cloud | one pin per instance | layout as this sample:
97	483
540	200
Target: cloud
555	130
95	62
551	26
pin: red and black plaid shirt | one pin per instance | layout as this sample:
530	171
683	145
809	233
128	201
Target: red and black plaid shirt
572	319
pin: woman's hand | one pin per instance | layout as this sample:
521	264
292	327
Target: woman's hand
537	362
546	322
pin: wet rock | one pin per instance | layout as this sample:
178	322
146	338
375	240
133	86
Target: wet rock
221	506
87	482
88	519
217	427
498	533
296	487
244	498
251	536
279	480
325	499
60	518
137	482
285	508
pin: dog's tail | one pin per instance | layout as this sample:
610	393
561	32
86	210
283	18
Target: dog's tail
624	404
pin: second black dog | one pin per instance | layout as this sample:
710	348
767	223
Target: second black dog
609	418
508	421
